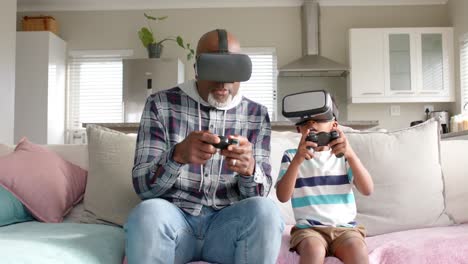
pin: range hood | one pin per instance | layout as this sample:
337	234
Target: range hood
312	64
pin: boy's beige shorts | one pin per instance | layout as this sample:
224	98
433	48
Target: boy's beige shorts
331	237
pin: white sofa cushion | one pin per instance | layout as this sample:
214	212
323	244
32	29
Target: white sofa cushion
281	141
109	194
405	167
76	154
5	149
454	167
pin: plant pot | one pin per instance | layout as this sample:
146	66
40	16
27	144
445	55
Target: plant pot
155	50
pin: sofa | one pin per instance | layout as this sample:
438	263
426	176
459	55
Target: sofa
418	212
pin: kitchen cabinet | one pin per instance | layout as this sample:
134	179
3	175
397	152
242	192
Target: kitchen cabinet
401	65
40	87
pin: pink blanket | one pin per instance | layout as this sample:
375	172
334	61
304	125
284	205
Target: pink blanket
436	245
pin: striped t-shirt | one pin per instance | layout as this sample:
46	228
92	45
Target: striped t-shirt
323	192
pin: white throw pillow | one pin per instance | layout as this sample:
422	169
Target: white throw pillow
76	154
454	166
405	167
109	194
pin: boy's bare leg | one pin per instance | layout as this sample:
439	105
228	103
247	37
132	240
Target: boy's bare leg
352	251
311	251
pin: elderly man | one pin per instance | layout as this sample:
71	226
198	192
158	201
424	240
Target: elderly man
203	193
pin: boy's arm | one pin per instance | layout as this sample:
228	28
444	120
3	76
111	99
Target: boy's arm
285	185
362	179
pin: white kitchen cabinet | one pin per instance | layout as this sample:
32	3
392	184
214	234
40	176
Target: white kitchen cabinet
367	64
401	65
40	87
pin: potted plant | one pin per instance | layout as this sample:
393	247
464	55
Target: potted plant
155	46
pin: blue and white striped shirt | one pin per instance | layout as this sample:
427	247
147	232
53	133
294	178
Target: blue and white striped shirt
168	117
323	193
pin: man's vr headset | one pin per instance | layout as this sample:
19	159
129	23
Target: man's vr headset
312	105
223	66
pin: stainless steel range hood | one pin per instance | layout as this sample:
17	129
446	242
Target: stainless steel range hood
312	64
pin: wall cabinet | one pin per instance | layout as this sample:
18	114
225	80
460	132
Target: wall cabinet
40	87
401	65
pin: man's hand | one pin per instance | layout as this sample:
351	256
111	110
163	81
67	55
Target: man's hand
196	148
240	158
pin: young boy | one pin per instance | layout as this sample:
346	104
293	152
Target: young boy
320	186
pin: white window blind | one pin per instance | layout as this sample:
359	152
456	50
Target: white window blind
464	73
261	87
95	90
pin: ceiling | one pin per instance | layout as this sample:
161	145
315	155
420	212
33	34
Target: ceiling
71	5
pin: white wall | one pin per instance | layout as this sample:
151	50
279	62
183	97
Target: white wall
7	69
458	10
255	27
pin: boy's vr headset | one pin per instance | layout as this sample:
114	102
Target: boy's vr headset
312	105
223	66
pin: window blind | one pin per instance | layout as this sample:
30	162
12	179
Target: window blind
464	73
94	90
261	87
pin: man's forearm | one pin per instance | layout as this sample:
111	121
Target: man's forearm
154	178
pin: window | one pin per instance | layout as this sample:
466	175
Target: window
94	91
464	73
262	84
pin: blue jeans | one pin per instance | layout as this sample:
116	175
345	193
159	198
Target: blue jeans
248	231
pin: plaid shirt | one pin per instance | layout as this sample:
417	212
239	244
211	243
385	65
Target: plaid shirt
168	117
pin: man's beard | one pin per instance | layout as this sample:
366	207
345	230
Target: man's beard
213	102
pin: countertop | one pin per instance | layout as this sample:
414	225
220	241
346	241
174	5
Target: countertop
355	124
455	135
275	125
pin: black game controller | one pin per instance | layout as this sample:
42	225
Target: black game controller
323	139
224	142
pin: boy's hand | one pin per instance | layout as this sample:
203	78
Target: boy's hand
305	149
341	144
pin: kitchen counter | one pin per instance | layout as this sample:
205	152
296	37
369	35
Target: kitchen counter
122	127
455	135
355	124
275	125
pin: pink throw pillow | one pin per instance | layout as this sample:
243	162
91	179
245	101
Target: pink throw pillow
45	183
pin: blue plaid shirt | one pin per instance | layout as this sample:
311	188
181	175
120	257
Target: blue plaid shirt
168	117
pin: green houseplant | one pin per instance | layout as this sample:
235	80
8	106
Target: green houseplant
154	45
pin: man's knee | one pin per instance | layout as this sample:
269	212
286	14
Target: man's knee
266	212
151	212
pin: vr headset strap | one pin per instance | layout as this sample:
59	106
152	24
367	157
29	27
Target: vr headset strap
222	41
